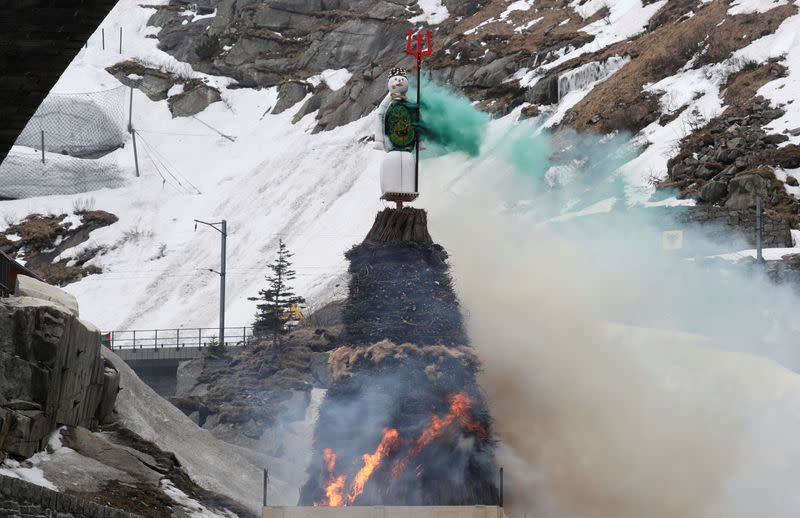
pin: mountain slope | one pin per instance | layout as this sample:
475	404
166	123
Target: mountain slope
275	178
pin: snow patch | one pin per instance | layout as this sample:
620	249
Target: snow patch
770	254
699	91
335	79
626	19
588	9
175	90
783	175
433	12
519	5
754	6
29	469
783	43
196	509
525	26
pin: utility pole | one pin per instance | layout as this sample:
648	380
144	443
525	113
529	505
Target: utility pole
222	229
759	232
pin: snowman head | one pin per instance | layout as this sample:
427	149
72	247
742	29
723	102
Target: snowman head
398	83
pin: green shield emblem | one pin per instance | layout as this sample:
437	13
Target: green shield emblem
399	126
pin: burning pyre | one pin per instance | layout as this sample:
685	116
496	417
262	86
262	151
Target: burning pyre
403	423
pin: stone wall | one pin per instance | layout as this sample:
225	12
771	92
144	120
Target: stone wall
39	39
51	374
739	223
21	499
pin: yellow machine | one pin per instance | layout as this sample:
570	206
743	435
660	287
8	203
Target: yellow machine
293	315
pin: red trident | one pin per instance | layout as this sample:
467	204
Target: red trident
419	52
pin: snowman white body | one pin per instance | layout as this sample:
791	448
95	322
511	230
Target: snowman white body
398	182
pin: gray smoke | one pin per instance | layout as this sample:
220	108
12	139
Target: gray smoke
624	381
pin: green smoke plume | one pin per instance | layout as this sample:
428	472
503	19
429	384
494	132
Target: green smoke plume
449	121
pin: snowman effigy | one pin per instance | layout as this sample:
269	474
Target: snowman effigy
397	132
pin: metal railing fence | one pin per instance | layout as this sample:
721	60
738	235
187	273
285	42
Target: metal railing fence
175	338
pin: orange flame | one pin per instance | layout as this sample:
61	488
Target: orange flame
460	405
389	442
335	484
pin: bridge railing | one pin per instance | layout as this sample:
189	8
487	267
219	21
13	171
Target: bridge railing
175	338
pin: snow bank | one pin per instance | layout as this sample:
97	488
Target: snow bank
215	465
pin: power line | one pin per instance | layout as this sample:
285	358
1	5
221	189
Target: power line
221	134
168	169
175	134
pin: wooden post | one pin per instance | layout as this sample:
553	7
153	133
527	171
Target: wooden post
501	487
155	339
759	231
134	339
103	36
199	337
177	338
43	146
120	40
266	482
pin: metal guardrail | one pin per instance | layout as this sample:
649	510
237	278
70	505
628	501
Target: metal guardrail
174	338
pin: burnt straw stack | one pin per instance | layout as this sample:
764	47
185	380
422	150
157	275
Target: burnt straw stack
404	421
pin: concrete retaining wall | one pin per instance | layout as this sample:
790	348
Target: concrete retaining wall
21	499
476	511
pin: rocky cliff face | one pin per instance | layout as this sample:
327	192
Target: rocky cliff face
505	56
254	396
52	374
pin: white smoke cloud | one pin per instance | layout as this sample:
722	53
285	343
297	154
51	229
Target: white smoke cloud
624	382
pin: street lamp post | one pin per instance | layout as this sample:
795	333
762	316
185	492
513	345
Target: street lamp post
222	229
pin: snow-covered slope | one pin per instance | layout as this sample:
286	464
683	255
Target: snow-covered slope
213	464
277	180
317	192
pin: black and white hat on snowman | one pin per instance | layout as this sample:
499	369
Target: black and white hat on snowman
398	71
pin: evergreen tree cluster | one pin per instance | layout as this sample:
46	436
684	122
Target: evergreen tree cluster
277	299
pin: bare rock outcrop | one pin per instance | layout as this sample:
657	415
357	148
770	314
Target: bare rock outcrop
51	372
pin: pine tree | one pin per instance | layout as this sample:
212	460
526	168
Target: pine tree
277	298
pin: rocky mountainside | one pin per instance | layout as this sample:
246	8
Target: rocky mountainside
590	66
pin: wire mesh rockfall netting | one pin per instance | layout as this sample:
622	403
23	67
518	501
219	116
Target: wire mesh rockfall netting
65	147
79	125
